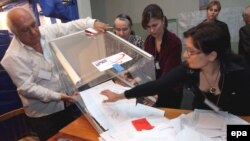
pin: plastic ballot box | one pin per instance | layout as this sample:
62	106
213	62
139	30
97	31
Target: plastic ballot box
86	61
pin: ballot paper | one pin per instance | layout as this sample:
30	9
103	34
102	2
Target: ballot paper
192	126
189	134
126	131
208	123
109	62
109	115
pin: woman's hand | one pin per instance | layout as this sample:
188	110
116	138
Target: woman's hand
112	97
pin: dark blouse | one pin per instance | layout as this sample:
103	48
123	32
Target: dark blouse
170	53
234	84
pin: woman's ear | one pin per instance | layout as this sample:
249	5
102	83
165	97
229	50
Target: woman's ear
212	56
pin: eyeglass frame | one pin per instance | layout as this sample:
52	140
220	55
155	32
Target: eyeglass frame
191	53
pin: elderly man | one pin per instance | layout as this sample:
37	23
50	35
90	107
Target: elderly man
244	36
29	63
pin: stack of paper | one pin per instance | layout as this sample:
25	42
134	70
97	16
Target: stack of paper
109	115
208	123
127	131
125	120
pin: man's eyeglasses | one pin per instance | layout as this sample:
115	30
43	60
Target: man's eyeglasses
191	52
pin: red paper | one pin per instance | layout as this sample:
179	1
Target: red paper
142	124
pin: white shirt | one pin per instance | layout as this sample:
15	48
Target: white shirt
35	74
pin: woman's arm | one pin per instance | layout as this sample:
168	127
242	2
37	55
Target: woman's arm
112	96
150	88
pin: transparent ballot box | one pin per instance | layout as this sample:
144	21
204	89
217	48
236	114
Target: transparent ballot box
87	61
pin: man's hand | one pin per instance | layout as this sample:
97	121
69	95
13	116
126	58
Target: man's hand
70	98
100	26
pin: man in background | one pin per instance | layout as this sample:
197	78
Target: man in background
244	36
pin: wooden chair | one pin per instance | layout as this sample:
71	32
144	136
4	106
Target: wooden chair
14	127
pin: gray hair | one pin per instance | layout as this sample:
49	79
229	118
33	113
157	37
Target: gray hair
9	19
247	11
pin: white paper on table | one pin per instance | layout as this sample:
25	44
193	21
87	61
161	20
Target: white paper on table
118	112
212	133
207	122
211	124
125	131
141	110
188	134
109	115
122	132
233	119
179	122
162	131
107	63
93	101
210	120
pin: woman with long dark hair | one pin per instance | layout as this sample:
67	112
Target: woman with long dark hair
166	47
216	79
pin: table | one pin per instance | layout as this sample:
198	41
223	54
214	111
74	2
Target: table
81	130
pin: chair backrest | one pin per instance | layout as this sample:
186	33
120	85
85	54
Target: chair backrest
4	42
11	114
9	98
14	126
13	123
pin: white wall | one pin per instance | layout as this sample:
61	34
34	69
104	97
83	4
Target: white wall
135	7
111	8
84	8
107	10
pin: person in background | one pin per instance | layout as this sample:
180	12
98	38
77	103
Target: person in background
28	61
166	48
216	79
123	28
213	10
244	36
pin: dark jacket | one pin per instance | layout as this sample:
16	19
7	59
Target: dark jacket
169	57
244	42
170	53
234	84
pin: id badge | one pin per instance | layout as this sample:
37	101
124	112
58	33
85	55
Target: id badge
157	65
211	105
44	74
